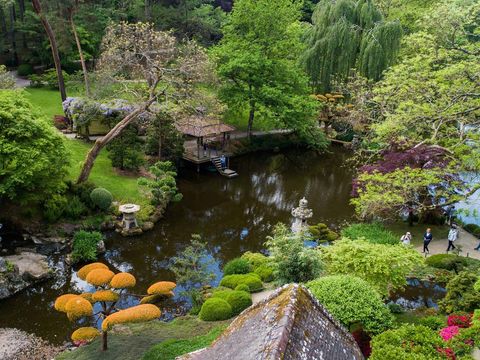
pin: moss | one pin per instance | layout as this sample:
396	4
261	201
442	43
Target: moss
215	309
252	280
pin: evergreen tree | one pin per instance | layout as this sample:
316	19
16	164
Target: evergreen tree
348	34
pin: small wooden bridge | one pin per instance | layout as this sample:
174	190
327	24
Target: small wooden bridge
225	172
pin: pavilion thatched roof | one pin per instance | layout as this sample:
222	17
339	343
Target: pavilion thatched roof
202	126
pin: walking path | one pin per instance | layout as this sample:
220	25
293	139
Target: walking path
19	82
465	240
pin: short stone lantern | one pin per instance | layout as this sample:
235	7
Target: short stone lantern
129	220
300	216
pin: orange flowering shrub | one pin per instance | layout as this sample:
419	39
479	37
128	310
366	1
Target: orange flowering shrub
78	307
87	296
105	295
62	300
123	280
83	272
85	334
139	313
161	288
99	277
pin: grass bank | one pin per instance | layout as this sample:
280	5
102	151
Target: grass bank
133	341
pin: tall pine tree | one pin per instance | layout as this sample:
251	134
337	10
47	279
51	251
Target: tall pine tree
349	34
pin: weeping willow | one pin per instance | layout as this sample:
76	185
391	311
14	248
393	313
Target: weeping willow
349	34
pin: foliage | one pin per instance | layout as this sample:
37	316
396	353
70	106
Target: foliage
290	259
385	267
48	78
252	280
163	187
123	280
257	59
171	349
461	320
215	309
348	34
192	269
374	233
139	313
32	154
84	246
407	342
474	229
125	150
238	300
265	272
242	287
54	207
237	266
85	334
449	332
352	300
101	198
25	70
84	270
76	208
6	80
99	277
161	288
322	233
255	259
447	261
433	322
461	295
163	137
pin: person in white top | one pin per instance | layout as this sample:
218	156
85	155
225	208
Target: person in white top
405	239
452	237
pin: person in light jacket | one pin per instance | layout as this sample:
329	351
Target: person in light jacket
452	237
406	239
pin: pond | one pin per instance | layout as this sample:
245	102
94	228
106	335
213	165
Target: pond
231	215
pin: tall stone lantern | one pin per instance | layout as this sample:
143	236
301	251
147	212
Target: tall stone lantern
129	221
300	216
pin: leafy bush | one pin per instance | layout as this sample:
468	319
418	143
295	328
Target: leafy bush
463	320
7	81
83	191
163	187
265	272
54	207
173	348
290	259
461	295
322	233
447	262
48	78
395	308
125	150
374	233
242	287
473	229
75	208
237	266
215	309
352	300
101	198
407	342
433	322
252	280
238	300
84	246
24	70
255	259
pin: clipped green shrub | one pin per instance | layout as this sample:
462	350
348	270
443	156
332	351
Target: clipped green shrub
252	280
433	322
24	70
75	208
265	272
101	198
447	261
322	233
473	229
238	300
255	259
83	191
84	247
374	233
215	309
242	287
237	266
54	207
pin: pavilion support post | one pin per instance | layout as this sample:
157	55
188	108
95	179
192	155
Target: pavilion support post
224	141
198	147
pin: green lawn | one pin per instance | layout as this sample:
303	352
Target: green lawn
134	340
123	188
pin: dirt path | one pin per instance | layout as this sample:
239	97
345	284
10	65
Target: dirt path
19	82
465	240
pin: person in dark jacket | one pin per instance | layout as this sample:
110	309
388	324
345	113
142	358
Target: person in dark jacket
427	237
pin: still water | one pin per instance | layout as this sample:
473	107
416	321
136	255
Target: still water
231	215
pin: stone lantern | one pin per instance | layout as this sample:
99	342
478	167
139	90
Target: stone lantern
300	216
129	220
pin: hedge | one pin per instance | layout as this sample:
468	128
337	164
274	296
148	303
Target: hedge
252	280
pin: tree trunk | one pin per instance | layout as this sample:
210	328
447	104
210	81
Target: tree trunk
159	139
100	143
148	11
104	341
12	34
251	117
21	7
53	44
80	52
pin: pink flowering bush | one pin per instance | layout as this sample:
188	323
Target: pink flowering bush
462	321
449	332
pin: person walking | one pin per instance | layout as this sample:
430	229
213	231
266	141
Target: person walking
223	161
452	237
406	239
427	237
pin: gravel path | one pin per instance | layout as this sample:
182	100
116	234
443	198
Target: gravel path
466	240
18	345
19	82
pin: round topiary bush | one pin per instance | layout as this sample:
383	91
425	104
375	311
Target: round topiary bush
255	259
252	280
237	266
242	287
446	261
101	198
238	300
265	272
215	309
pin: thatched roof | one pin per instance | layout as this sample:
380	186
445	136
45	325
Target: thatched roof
201	126
290	324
